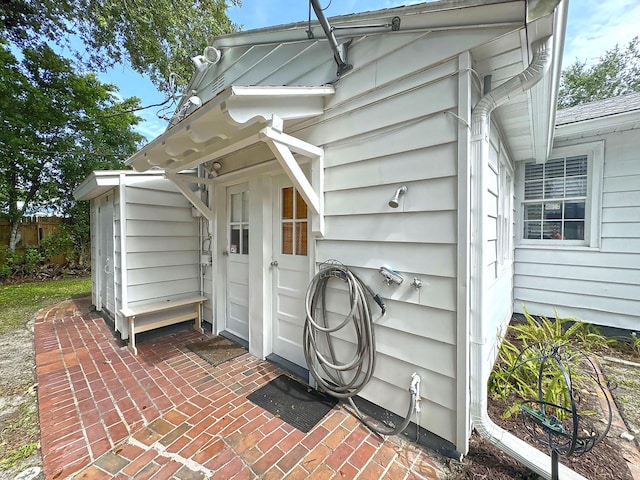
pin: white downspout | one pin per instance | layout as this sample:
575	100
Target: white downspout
481	362
124	284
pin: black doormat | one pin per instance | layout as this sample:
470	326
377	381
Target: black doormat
216	350
294	402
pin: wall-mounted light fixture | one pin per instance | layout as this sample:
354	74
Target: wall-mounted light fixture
195	100
214	169
394	202
210	56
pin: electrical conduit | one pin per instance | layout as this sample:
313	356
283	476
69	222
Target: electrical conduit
481	362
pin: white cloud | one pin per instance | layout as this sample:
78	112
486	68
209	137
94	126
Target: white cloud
595	26
151	126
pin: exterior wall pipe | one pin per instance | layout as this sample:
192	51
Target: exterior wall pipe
480	355
343	66
124	285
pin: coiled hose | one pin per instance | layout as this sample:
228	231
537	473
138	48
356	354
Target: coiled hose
345	379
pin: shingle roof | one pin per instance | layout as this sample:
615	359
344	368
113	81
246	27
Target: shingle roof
601	108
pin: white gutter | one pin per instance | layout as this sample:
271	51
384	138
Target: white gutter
480	355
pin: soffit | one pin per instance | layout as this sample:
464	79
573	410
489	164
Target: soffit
227	123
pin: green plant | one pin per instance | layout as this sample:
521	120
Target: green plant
524	370
635	341
32	260
20	453
12	262
60	242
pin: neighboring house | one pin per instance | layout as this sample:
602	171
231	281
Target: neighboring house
578	223
293	157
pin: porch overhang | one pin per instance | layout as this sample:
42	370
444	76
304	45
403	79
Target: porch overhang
237	119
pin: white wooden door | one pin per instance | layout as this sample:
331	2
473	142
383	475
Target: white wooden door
290	268
237	264
106	265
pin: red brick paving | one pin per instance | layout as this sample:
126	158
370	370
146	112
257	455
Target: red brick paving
168	414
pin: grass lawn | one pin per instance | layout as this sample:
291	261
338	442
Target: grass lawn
19	302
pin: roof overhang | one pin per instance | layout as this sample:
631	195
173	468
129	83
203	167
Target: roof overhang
527	120
601	125
232	118
100	182
235	120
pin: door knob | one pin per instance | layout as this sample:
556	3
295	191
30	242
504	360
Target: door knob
274	263
225	253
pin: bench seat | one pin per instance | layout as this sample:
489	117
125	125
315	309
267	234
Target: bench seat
142	318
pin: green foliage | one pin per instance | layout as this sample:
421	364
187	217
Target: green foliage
32	260
20	432
57	127
8	263
21	301
155	36
20	453
616	73
23	263
61	242
519	366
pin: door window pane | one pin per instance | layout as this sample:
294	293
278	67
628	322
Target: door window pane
294	224
301	207
245	240
287	238
234	241
236	207
239	223
287	203
301	238
245	206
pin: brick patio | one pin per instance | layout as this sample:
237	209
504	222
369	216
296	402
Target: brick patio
168	414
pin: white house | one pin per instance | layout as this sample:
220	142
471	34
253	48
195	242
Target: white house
591	200
291	142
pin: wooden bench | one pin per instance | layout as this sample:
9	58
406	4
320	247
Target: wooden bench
141	318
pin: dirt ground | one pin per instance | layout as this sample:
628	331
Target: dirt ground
18	403
18	420
612	459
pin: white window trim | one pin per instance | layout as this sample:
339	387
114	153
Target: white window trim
593	211
505	210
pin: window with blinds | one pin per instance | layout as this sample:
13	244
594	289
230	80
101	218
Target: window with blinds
555	196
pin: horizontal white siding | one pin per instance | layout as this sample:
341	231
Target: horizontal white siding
597	285
163	246
387	126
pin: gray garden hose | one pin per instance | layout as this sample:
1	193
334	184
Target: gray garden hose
345	379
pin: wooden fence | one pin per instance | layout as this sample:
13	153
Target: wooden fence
33	230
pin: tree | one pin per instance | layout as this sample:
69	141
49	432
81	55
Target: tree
616	73
56	126
156	37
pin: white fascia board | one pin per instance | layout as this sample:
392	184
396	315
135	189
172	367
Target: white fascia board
424	16
95	185
596	126
101	181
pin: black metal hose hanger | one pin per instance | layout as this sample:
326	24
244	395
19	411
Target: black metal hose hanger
558	417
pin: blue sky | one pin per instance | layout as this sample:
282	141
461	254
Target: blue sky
593	27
